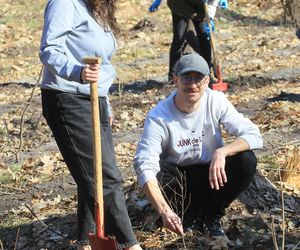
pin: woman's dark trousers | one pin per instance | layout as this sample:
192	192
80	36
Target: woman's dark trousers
69	118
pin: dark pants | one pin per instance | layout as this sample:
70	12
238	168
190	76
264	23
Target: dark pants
179	39
187	188
69	118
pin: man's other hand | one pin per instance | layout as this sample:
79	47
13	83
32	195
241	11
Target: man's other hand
217	175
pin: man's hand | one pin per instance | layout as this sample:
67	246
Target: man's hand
90	73
171	221
155	196
154	6
223	4
217	175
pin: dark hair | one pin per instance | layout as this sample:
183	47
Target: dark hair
104	12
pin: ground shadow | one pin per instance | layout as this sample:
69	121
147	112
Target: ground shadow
231	15
60	234
137	87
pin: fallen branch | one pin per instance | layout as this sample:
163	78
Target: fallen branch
274	235
3	12
44	224
280	169
281	145
6	193
283	213
17	238
11	187
8	132
295	247
23	114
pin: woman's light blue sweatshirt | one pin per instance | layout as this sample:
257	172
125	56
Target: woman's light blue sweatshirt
71	33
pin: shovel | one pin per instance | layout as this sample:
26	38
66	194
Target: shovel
220	85
98	240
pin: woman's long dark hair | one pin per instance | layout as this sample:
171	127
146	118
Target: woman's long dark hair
104	12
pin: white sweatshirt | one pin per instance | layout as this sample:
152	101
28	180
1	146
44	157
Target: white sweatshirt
188	139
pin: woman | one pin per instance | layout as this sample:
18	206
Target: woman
74	29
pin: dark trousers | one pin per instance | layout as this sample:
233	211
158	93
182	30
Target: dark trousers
179	39
69	118
187	188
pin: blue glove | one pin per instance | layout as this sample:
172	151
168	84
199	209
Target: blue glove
154	6
223	4
207	29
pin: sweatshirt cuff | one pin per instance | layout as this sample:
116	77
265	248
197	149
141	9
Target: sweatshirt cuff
145	177
254	142
76	73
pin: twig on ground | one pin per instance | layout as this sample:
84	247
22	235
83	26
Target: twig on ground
17	238
283	212
292	143
11	187
295	247
44	224
280	169
274	235
8	132
23	114
6	193
8	147
1	245
3	12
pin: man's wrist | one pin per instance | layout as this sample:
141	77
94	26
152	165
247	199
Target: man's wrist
222	151
163	209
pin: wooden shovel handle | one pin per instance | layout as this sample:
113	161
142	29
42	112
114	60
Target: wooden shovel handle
212	39
99	206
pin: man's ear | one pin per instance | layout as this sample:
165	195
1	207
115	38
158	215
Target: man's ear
207	80
175	80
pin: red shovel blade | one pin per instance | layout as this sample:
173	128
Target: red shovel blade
102	243
98	240
220	85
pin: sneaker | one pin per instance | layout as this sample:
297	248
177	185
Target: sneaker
214	226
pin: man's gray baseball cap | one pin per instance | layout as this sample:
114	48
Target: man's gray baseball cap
191	62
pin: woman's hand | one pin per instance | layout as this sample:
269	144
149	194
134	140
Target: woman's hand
110	120
217	175
90	73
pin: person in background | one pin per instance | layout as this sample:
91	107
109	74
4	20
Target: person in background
182	11
74	29
181	162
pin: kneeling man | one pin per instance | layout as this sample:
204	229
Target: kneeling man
181	162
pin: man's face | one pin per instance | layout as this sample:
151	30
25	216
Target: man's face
191	86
